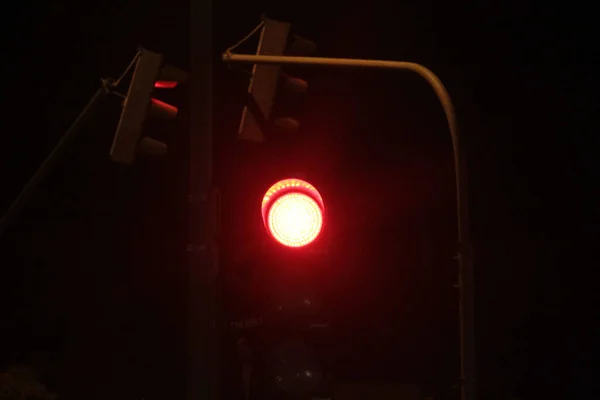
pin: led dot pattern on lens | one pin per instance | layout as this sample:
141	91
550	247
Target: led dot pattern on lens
290	184
295	219
293	212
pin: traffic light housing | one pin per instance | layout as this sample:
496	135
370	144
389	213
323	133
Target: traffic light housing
277	287
149	74
277	273
270	84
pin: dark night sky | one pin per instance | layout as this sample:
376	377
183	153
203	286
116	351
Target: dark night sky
93	271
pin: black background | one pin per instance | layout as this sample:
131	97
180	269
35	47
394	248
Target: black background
93	271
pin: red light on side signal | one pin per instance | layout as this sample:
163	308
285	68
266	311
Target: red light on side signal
165	84
292	211
162	109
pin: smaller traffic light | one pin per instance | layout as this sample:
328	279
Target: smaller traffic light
271	86
149	74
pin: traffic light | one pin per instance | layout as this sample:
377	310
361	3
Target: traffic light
278	300
276	261
271	87
149	74
293	212
295	221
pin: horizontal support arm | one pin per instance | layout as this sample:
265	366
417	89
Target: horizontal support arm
424	72
427	74
317	61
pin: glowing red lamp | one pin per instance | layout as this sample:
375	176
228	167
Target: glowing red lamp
165	84
292	211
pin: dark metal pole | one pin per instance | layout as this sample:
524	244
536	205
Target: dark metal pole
202	371
54	155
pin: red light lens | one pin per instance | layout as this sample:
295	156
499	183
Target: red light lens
165	84
293	212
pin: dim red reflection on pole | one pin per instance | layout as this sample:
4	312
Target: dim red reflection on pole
292	211
163	109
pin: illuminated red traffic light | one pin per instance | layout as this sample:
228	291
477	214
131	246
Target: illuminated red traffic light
165	84
292	211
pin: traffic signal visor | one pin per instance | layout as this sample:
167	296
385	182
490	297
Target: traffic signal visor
293	212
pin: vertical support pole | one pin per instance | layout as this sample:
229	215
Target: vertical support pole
202	371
